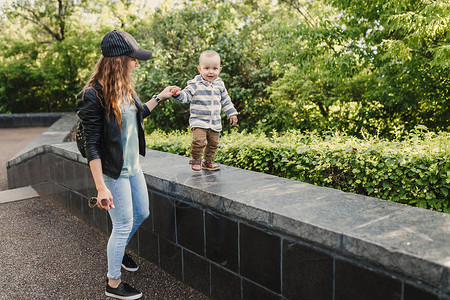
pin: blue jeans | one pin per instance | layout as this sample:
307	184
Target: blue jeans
130	198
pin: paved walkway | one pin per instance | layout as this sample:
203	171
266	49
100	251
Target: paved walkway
12	140
47	253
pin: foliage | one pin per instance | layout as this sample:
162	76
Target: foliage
310	65
49	49
179	33
360	64
413	170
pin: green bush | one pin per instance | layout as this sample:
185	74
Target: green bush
412	170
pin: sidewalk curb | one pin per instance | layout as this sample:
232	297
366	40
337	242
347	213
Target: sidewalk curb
18	194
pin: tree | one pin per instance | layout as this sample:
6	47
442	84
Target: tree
178	34
360	64
49	48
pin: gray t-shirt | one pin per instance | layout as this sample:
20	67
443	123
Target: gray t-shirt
130	140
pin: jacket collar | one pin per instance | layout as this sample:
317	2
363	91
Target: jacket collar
96	85
199	79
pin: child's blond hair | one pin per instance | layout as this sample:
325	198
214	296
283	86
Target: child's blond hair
208	53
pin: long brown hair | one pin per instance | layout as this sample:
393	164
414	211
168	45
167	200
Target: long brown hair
114	74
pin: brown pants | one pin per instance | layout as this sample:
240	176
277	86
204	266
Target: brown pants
204	139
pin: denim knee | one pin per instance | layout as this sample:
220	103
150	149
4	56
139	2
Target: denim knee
124	227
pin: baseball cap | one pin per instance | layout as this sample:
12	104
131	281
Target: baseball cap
117	43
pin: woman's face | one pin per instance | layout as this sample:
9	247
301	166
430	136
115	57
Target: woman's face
132	63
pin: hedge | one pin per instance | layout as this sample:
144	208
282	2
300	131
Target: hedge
412	170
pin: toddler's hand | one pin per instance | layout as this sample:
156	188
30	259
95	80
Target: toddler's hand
175	91
233	120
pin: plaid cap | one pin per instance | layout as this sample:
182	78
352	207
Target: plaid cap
118	43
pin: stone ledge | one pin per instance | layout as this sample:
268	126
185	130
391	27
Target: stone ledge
410	241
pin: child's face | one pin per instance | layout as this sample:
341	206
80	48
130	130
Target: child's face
209	67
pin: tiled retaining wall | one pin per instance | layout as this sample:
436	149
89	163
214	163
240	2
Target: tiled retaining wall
236	234
29	120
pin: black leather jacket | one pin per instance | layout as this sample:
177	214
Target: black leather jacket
102	133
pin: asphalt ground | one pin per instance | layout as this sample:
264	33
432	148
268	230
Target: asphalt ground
47	253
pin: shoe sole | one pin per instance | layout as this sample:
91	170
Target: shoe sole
138	296
210	169
130	269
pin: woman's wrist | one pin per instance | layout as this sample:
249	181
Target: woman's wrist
101	188
158	98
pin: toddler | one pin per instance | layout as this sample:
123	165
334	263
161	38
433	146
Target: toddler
207	96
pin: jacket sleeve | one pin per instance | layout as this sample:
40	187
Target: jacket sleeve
227	105
91	113
143	108
187	93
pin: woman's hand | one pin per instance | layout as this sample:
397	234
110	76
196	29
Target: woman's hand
105	199
169	92
175	91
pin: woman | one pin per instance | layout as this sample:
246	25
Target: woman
112	118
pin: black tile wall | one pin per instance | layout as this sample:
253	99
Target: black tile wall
81	176
164	217
45	167
77	204
69	174
44	188
22	175
353	282
260	257
16	178
34	167
147	224
413	293
170	258
251	291
224	284
148	245
88	213
307	273
196	271
133	244
57	169
91	190
190	227
101	219
222	240
10	176
61	196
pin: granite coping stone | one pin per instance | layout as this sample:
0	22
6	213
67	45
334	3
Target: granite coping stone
409	240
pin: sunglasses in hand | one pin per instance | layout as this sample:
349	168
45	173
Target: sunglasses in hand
92	202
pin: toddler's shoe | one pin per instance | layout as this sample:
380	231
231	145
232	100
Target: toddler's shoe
210	165
196	165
